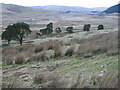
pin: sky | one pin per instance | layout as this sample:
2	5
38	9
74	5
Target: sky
83	3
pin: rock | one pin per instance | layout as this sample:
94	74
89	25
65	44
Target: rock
88	55
102	73
102	66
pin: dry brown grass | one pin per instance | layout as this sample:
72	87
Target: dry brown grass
58	52
110	80
73	42
42	56
50	80
104	43
39	48
12	83
52	44
38	52
48	45
16	53
19	60
70	51
8	61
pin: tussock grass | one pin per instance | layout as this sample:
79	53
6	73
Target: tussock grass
19	60
97	44
38	52
42	56
70	51
58	52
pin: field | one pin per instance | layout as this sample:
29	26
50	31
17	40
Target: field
83	59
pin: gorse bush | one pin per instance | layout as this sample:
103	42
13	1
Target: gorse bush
58	30
38	34
100	27
48	30
86	27
69	29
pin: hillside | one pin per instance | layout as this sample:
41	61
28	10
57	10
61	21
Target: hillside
70	8
113	9
14	13
91	65
16	9
82	59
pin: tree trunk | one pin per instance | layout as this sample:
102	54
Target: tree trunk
8	41
20	41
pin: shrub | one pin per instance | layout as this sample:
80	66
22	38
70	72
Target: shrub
58	52
100	27
69	29
9	53
9	61
39	48
52	44
112	52
23	47
49	45
19	60
48	30
70	51
58	30
43	31
97	44
38	34
42	56
86	27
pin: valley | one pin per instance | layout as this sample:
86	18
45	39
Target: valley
82	59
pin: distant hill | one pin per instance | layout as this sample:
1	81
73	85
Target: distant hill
15	13
9	9
113	9
70	8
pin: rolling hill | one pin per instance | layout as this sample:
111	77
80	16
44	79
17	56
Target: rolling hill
113	9
70	8
16	9
14	13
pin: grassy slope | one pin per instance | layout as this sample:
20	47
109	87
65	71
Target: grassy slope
88	67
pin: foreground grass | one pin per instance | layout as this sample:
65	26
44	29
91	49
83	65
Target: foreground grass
88	68
93	64
79	35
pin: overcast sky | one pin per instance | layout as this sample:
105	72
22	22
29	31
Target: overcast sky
84	3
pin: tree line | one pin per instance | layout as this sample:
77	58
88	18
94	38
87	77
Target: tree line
18	30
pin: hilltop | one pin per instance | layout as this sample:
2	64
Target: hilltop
113	9
70	8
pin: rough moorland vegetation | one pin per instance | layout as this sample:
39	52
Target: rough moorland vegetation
86	62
